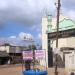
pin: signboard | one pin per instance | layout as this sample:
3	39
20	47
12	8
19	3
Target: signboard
62	34
39	54
27	55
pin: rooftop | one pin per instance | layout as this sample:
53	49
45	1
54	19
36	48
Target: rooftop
64	24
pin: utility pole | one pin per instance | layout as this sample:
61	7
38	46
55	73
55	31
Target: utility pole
57	33
57	24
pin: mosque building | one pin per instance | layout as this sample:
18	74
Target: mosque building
66	40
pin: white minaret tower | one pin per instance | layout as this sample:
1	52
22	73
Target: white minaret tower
46	26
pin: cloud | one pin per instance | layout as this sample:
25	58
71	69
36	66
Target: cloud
25	36
22	39
68	4
12	37
28	12
22	36
40	36
71	14
68	8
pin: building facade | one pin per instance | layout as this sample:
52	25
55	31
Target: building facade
11	54
66	38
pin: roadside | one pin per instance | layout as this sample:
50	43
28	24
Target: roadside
17	70
11	65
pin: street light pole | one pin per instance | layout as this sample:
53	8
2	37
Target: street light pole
57	33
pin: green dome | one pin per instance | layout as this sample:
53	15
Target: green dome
66	24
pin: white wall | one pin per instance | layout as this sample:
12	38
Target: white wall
7	49
44	37
11	49
65	42
71	42
62	42
70	61
4	48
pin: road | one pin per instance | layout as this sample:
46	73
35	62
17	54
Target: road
11	70
17	70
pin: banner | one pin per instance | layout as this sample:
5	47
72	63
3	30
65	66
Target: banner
39	54
27	55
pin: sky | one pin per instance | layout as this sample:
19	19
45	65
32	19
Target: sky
19	18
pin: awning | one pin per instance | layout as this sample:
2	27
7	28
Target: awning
4	54
67	48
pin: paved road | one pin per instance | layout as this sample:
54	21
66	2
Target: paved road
17	70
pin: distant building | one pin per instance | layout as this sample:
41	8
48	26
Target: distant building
66	39
4	57
12	53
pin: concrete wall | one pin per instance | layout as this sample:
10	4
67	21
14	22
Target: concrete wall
70	61
44	39
10	49
71	42
4	48
65	42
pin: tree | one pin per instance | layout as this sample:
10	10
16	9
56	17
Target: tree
32	47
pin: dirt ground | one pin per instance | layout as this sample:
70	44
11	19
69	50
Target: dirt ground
61	71
11	70
17	70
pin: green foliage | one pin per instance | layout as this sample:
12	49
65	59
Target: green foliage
32	47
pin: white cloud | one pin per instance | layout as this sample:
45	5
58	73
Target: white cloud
12	37
40	36
68	8
71	14
25	36
68	4
28	12
22	36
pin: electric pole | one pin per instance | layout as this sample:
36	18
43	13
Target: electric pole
57	33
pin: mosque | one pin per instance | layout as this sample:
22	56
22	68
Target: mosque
66	40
